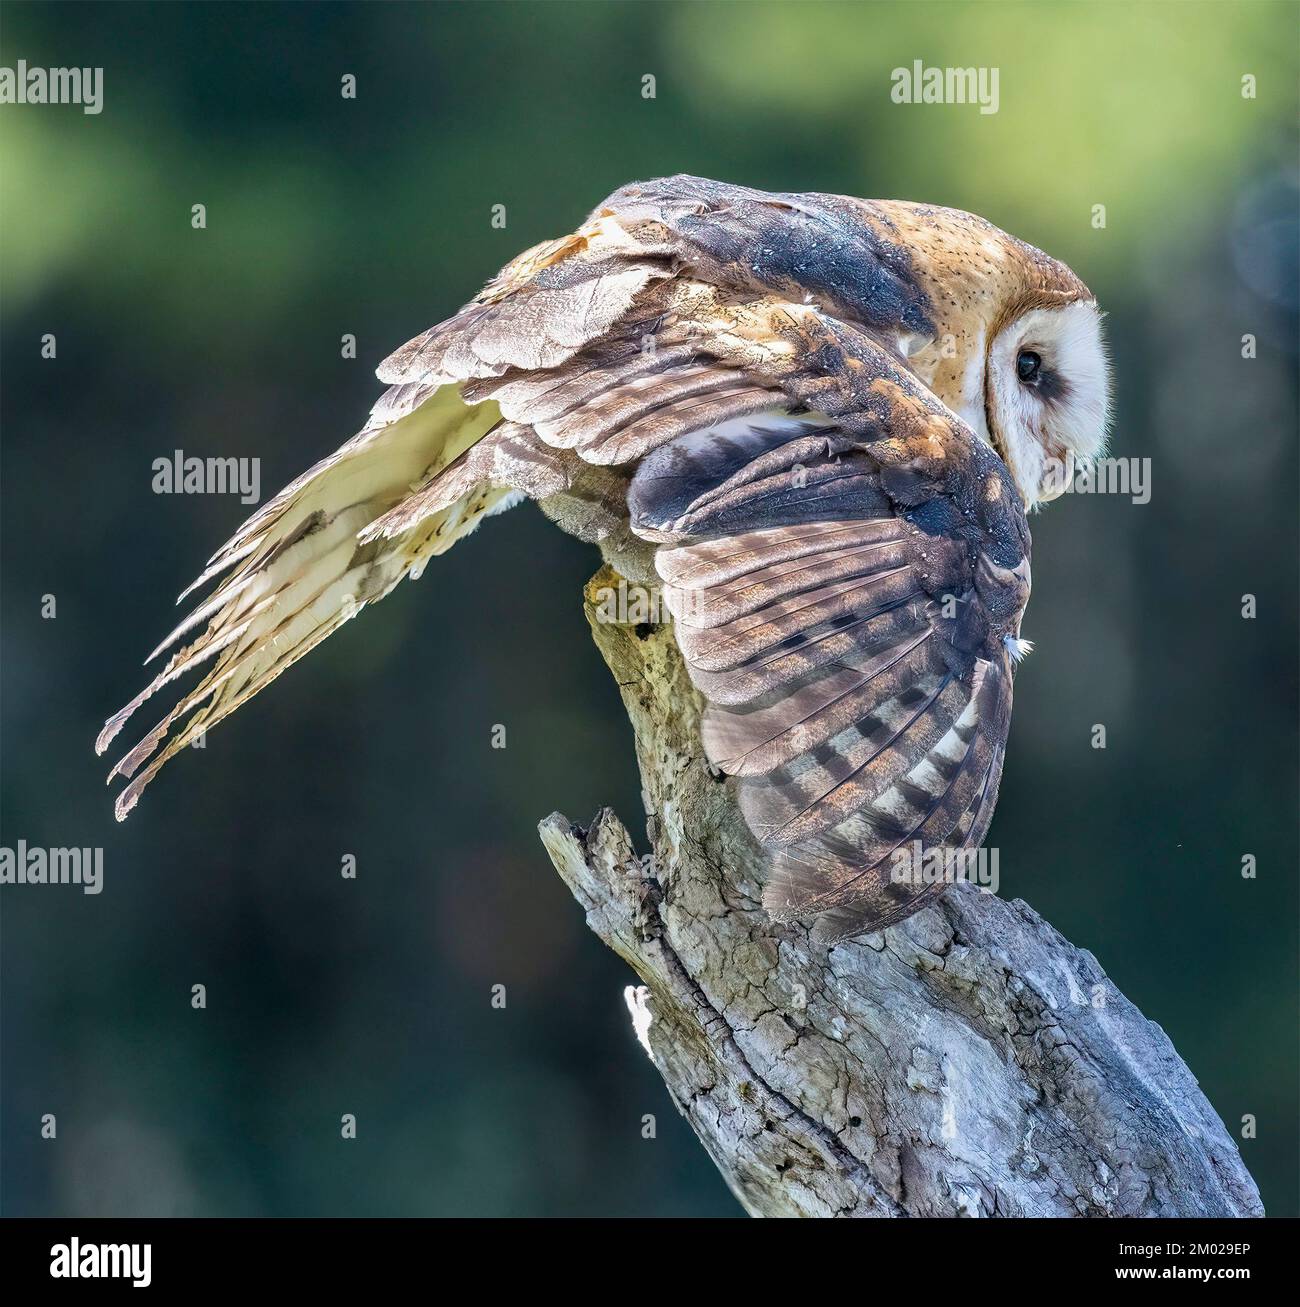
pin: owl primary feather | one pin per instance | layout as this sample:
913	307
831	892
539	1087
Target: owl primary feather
815	422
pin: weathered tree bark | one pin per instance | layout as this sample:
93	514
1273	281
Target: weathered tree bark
970	1061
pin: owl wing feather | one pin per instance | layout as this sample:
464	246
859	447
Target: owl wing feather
312	557
857	683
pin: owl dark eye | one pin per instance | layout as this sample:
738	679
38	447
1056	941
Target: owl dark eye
1028	366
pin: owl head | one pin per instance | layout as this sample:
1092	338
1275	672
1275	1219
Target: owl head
1016	348
1045	390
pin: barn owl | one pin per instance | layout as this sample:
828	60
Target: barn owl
816	423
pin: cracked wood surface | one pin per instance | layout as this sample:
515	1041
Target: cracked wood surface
968	1062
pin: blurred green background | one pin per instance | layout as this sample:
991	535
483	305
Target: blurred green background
371	216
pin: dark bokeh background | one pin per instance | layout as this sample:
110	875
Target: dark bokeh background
371	216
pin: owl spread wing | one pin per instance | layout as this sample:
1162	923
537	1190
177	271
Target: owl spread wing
717	372
865	724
